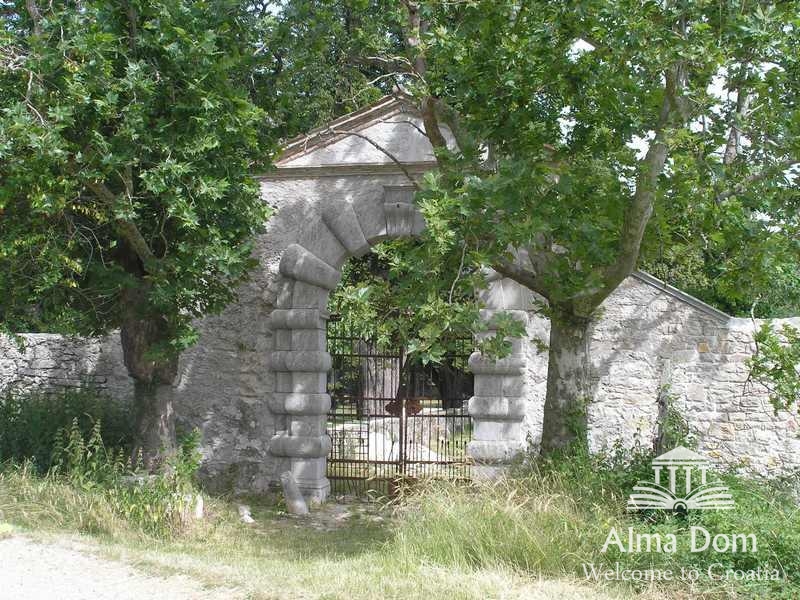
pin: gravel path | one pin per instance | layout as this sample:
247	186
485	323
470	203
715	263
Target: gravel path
57	571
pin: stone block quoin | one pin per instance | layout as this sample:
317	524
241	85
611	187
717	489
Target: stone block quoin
498	407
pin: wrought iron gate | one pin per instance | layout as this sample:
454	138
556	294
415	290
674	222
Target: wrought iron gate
393	419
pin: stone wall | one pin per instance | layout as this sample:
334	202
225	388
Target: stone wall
47	361
650	338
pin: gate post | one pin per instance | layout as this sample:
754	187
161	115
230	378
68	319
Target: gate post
300	362
498	406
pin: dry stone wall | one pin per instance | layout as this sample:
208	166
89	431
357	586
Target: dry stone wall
42	361
649	338
255	383
652	339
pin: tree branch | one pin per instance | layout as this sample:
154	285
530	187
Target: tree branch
132	18
413	32
756	177
375	144
395	64
127	230
522	276
36	16
640	209
431	120
458	273
743	100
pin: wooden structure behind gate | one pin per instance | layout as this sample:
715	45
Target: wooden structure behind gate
393	419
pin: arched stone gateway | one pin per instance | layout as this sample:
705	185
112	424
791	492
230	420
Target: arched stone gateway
255	384
362	196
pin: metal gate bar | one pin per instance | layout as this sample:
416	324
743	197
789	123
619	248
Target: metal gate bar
391	419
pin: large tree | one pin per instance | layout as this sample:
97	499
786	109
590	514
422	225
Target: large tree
576	122
127	139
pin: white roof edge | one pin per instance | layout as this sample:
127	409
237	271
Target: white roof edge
682	296
347	169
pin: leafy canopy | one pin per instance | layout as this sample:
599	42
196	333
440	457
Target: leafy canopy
310	65
127	139
555	107
382	299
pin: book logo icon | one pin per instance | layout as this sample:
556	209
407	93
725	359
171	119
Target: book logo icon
680	483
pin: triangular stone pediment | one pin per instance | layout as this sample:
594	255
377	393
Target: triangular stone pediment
388	131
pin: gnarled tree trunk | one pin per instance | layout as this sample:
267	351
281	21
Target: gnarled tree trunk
153	375
569	384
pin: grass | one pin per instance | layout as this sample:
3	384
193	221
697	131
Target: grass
279	556
525	536
553	519
522	537
29	422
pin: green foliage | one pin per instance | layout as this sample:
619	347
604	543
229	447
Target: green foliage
155	504
563	125
562	98
776	364
76	446
127	140
382	298
310	65
85	462
708	250
29	422
672	427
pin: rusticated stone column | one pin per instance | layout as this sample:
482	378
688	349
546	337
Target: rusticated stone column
300	362
498	406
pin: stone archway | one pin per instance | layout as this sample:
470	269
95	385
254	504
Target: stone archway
300	362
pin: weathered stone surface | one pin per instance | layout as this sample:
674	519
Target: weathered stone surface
646	338
497	408
400	210
510	365
300	360
371	218
307	404
298	318
300	264
493	452
295	503
489	429
310	476
497	429
298	446
342	220
503	293
47	361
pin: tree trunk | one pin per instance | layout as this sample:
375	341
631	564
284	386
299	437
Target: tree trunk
452	384
154	424
153	372
569	386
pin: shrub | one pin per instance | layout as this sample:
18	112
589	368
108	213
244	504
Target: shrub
30	421
97	490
